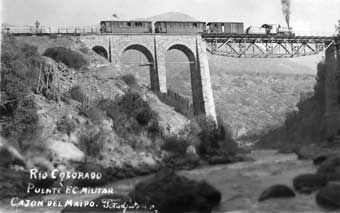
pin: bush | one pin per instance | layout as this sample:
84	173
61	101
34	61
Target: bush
130	114
77	94
66	125
122	124
19	68
135	107
89	144
175	145
69	57
94	114
181	104
215	139
129	79
23	125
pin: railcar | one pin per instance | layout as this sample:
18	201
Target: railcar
179	27
225	27
126	27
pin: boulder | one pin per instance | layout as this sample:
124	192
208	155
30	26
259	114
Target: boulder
319	159
220	159
330	168
66	151
313	151
307	183
169	192
329	197
276	191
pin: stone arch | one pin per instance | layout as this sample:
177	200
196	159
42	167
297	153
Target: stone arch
100	50
151	63
195	75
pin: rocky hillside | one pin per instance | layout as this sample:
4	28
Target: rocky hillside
64	107
66	121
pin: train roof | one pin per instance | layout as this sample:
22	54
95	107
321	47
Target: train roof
223	22
180	22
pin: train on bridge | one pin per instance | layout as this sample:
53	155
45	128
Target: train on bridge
159	27
191	27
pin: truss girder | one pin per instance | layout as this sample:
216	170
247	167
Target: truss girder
266	47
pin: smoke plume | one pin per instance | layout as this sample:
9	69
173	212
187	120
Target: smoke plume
286	10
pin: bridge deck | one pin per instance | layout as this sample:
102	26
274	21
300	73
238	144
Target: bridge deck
262	37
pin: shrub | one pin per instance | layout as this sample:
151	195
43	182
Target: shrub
23	125
66	125
19	68
122	124
94	114
135	107
129	79
181	104
69	57
77	93
130	114
215	139
175	145
90	145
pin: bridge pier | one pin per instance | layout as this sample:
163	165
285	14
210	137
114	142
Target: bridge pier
207	92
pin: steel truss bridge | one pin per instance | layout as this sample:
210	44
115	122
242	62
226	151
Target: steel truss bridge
265	46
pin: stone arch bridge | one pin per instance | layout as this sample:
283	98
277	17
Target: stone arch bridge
155	47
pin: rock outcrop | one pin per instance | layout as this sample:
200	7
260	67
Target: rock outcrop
169	192
276	191
307	183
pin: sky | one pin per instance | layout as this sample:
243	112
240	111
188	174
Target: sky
315	16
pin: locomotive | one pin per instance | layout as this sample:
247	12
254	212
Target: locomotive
270	29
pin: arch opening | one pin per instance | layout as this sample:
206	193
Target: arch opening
183	76
101	51
138	60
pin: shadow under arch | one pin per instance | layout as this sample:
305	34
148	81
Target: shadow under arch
151	63
195	76
101	51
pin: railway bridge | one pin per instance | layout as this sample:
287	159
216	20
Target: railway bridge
196	47
154	46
